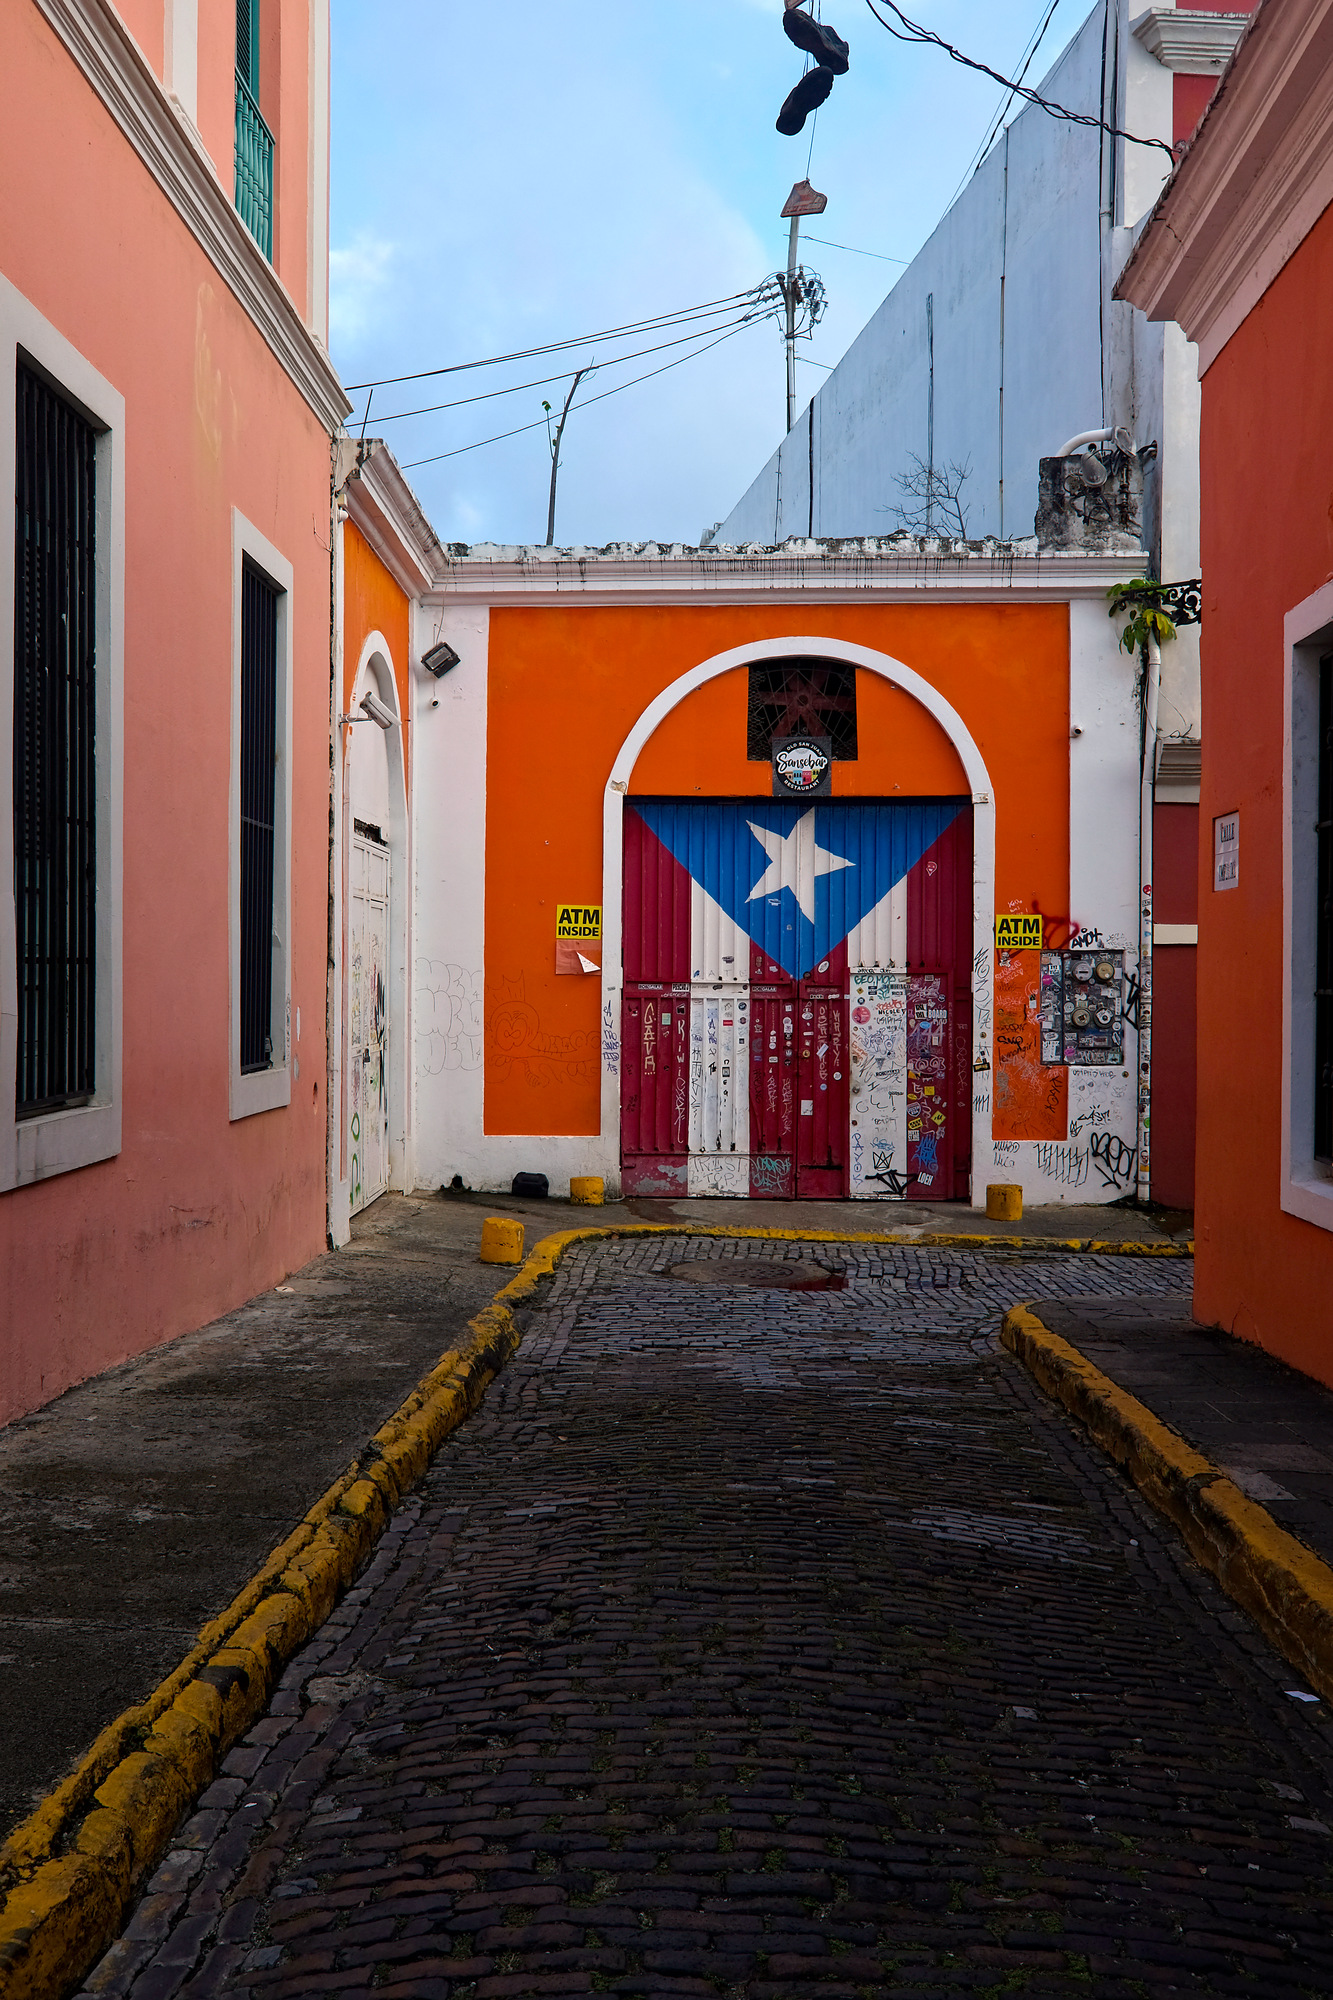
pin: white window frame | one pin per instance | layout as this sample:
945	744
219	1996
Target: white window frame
268	1089
1307	1189
59	1142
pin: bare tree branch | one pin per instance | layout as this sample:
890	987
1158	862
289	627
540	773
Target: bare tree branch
932	498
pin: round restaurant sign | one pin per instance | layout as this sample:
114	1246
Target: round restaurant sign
800	764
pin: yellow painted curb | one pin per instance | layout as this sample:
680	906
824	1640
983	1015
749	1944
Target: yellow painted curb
70	1873
1284	1586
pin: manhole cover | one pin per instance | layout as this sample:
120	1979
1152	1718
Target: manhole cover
767	1277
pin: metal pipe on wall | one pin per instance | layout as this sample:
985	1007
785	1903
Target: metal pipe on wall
1147	787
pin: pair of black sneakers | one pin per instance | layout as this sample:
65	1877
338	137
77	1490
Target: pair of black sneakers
830	54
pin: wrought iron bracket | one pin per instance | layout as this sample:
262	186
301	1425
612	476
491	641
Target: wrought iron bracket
1182	602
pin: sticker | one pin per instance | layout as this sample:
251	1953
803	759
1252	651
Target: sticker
802	765
807	1107
1021	933
578	920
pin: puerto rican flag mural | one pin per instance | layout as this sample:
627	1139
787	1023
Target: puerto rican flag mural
743	921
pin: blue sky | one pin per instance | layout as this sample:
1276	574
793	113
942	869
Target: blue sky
508	176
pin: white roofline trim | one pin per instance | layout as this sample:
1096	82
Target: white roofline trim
848	570
1189	40
383	507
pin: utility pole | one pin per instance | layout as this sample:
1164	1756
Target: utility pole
803	200
792	244
555	454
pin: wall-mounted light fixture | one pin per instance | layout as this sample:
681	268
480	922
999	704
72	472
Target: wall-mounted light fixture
439	659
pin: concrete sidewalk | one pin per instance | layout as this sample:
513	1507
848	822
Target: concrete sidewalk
138	1504
1268	1428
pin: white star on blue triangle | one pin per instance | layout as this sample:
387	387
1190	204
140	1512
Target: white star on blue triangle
839	860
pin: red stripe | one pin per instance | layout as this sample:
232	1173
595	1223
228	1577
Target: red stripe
656	915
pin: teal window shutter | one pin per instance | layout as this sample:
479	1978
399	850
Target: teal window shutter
247	44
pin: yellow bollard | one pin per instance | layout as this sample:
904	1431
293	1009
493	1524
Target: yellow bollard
1004	1202
589	1189
501	1241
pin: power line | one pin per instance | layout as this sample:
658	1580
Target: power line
619	389
855	252
710	308
544	381
997	122
912	31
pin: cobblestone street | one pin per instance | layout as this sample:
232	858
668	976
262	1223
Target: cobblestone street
758	1639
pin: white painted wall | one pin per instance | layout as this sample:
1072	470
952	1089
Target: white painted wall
449	843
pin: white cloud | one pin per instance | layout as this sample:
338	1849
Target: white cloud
358	288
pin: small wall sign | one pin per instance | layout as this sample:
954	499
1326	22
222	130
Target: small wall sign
802	767
1226	851
1022	933
578	937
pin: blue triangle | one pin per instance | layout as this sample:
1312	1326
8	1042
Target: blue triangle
716	841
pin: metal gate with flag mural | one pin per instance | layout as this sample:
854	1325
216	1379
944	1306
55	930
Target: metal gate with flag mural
746	1069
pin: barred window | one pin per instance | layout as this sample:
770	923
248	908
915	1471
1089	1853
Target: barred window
55	772
259	741
799	697
1323	1003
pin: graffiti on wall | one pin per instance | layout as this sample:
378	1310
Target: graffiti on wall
1067	1166
1114	1160
518	1045
610	1040
448	1017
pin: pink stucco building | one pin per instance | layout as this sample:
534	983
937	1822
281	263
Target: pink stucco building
166	410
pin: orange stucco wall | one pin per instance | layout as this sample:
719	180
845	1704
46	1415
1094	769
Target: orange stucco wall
197	1213
566	687
373	602
1267	481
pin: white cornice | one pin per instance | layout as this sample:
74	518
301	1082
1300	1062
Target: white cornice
1188	40
174	155
1255	180
887	570
387	512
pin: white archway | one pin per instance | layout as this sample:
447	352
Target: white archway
983	854
375	675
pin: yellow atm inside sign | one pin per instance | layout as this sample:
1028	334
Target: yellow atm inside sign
1018	933
578	920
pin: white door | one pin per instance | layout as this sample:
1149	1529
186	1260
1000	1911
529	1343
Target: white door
368	1134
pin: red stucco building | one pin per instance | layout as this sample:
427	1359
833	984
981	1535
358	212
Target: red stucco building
1239	251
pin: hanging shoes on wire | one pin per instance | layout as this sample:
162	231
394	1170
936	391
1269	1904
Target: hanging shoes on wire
808	95
829	50
831	59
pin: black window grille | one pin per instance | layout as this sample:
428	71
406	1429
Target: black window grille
259	745
55	745
1323	1004
801	698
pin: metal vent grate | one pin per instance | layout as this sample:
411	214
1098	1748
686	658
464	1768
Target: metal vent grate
55	776
259	726
801	698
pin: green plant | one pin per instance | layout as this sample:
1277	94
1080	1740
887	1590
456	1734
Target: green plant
1140	603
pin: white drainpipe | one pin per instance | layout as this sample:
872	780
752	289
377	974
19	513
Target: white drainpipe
1117	435
1147	788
